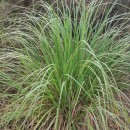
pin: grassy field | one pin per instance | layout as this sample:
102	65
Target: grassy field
64	69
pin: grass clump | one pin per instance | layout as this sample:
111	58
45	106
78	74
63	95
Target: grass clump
62	71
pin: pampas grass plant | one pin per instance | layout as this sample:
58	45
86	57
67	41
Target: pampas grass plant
64	70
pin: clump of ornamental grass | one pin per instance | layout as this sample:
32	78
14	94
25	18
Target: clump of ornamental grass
62	70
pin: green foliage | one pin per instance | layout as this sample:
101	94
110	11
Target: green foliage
64	70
